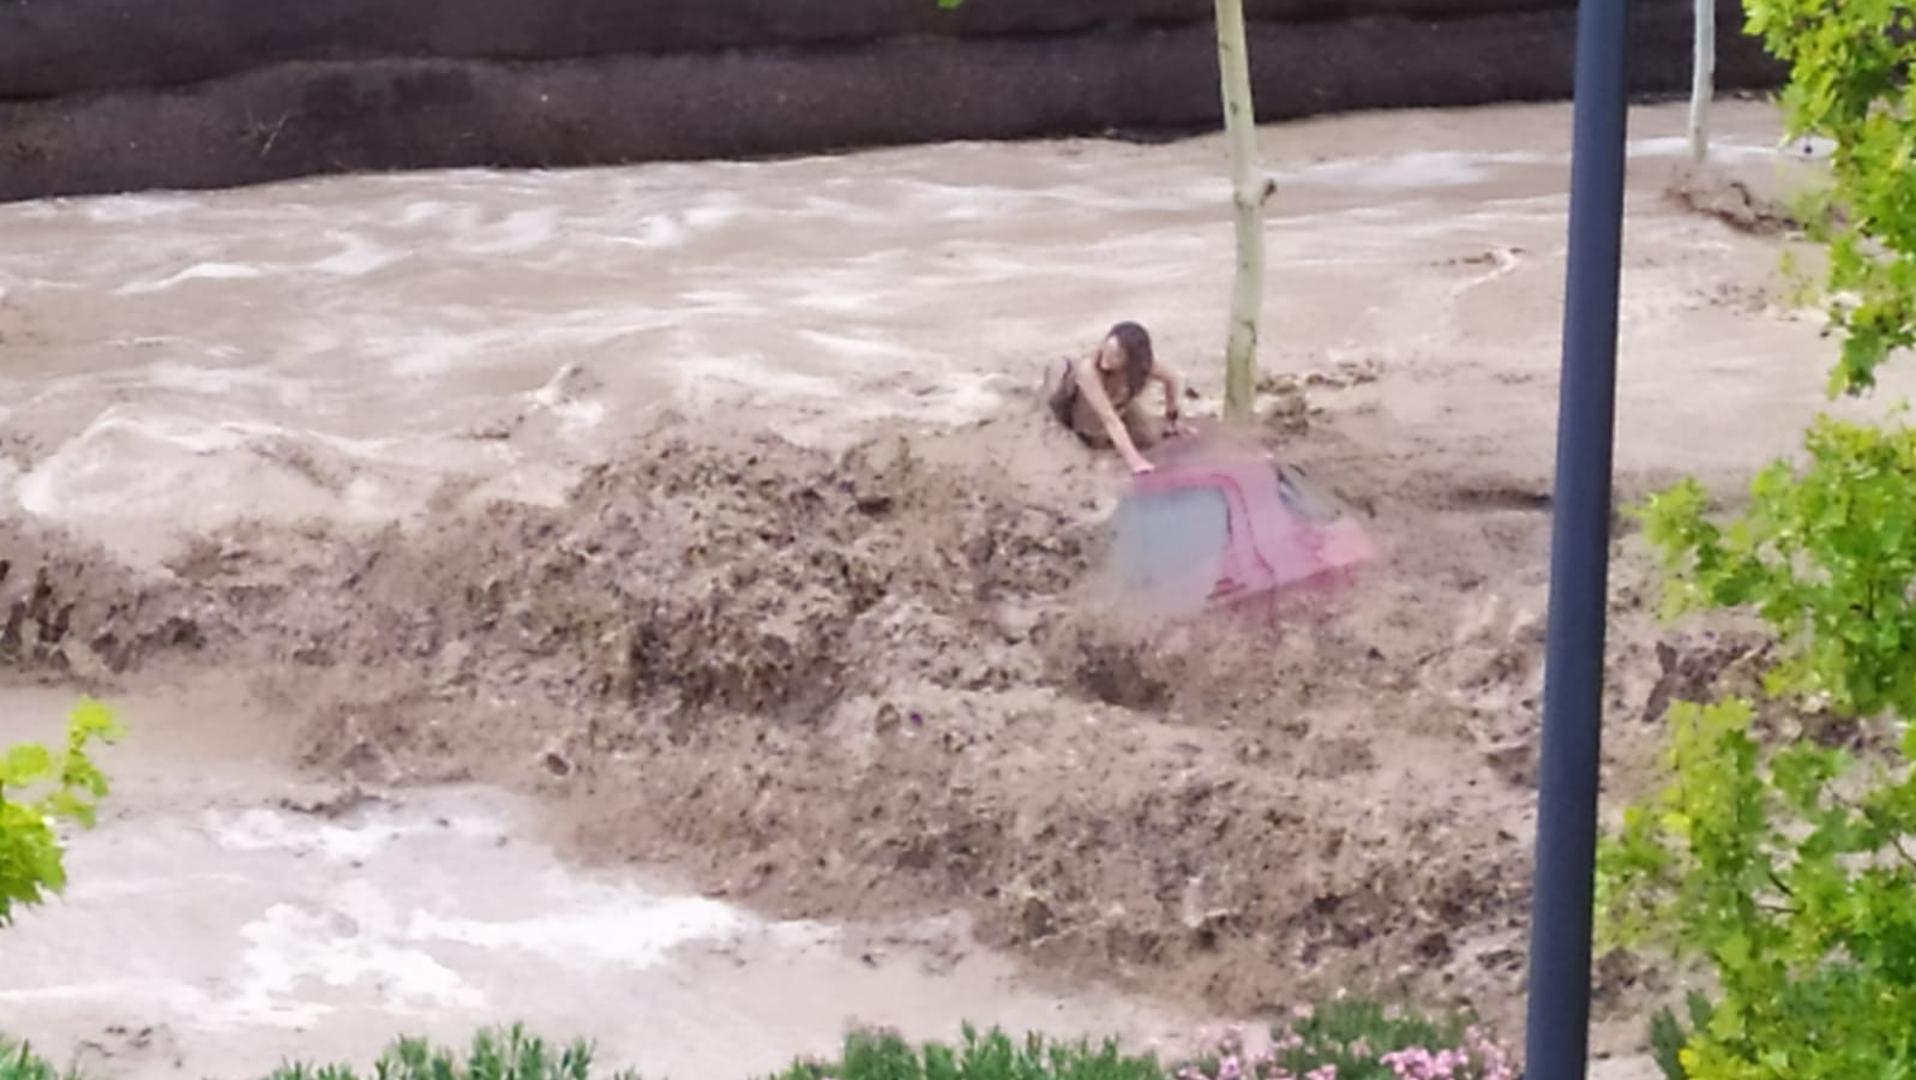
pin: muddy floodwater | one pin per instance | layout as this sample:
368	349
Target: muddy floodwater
226	916
354	347
647	602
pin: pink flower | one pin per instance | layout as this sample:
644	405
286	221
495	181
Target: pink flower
1493	1060
1413	1063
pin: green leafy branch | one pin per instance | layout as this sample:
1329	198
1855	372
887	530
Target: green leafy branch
1789	872
38	788
1849	82
1825	553
1789	868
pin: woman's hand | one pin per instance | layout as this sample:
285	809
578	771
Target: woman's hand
1139	466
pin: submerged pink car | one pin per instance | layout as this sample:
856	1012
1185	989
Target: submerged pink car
1224	526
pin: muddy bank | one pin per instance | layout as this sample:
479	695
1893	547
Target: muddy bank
84	46
857	686
301	106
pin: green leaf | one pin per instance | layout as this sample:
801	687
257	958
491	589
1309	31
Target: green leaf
92	720
25	764
31	857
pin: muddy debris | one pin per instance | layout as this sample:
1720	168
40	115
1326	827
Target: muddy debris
865	684
1733	200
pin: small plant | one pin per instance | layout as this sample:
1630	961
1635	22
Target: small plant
19	1062
507	1053
990	1056
37	788
1347	1040
512	1054
1668	1035
1357	1039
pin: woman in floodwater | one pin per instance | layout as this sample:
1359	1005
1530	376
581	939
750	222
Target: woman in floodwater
1098	397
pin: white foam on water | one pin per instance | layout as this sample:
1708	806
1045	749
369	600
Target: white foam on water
354	939
370	908
206	271
859	348
1426	169
122	209
422	211
655	231
141	460
1727	149
521	232
722	302
838	300
121	990
597	925
422	355
843	212
436	352
1058	201
752	372
32	211
211	381
1417	170
374	930
562	397
713	216
357	257
716	298
938	201
272	830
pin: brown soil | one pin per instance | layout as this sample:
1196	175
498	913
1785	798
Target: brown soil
1747	201
851	686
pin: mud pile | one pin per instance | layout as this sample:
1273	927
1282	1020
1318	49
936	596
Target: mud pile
872	684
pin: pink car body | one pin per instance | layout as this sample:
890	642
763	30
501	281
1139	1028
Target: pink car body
1274	531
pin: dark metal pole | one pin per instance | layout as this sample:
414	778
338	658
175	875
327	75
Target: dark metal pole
1559	1006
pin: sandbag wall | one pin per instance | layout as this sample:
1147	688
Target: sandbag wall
118	95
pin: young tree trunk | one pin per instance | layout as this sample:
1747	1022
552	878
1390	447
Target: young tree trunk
1703	80
1247	194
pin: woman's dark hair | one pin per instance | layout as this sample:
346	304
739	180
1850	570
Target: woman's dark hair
1136	343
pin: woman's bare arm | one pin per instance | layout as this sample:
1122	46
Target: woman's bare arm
1173	392
1092	388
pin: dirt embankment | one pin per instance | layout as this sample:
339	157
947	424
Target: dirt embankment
106	96
855	686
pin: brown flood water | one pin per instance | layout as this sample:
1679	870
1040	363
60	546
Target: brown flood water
226	916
